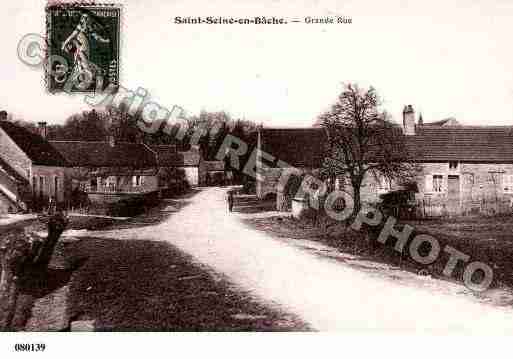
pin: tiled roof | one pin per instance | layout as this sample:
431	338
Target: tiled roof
451	121
303	147
102	154
214	166
299	147
169	157
34	146
191	157
462	143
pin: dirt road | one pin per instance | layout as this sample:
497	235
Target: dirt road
326	294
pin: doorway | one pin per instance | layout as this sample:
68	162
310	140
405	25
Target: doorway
453	194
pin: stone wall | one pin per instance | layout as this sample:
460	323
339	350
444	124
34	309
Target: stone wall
196	175
268	183
52	177
482	188
370	190
191	175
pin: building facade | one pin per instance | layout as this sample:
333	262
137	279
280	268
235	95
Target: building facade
461	169
31	171
109	171
34	170
191	163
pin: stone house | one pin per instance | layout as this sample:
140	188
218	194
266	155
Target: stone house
462	169
215	173
293	149
31	170
191	163
109	171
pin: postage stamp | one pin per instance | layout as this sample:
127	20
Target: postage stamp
82	47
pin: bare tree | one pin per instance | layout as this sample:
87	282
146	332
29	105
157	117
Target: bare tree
363	142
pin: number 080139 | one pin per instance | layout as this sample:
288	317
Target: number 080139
25	347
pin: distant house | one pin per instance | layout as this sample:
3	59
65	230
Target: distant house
293	148
31	170
190	162
170	176
462	169
109	171
215	173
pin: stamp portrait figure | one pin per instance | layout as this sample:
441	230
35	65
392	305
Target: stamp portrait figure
78	45
83	51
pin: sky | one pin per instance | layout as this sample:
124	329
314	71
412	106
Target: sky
446	58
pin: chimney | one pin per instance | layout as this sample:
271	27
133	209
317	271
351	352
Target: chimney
112	141
3	116
408	121
43	130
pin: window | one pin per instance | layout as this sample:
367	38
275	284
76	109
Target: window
111	181
507	183
136	181
433	183
453	165
437	183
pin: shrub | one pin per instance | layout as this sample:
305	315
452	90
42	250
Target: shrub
128	207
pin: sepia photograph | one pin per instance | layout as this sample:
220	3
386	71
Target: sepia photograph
323	169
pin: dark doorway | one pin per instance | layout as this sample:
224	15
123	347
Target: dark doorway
41	187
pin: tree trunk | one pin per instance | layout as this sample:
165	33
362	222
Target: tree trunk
357	201
20	257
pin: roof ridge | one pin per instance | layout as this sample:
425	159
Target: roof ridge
77	141
106	142
467	127
292	128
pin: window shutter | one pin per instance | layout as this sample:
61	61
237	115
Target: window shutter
429	183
